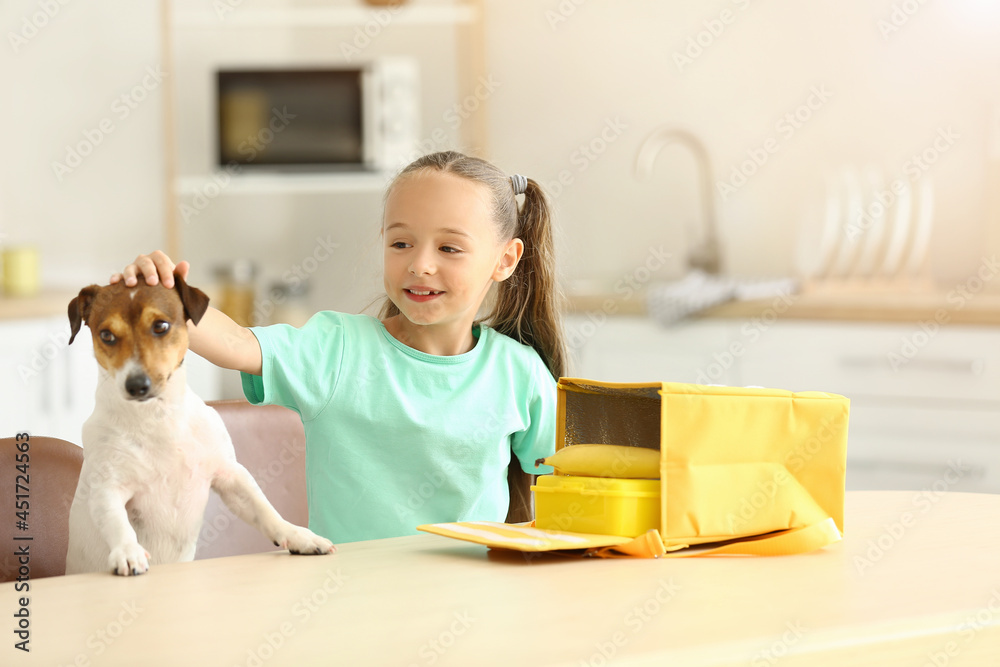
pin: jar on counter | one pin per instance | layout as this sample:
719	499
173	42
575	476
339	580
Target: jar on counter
237	290
20	270
289	303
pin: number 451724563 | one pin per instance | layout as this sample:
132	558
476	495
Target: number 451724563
22	480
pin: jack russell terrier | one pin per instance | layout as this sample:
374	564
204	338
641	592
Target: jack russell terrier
152	448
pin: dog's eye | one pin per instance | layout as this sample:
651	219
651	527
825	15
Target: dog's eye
160	327
108	337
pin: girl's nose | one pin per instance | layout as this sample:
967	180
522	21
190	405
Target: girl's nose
422	263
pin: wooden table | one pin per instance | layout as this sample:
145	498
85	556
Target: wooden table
915	582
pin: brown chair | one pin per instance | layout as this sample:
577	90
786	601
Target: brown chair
270	443
520	492
53	471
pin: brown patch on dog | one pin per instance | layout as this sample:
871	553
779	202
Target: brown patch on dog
142	323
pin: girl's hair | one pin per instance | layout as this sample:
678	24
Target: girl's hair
525	305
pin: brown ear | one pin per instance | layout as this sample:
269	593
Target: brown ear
194	300
79	309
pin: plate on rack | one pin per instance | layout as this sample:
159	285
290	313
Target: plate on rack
849	234
870	226
922	227
900	219
819	232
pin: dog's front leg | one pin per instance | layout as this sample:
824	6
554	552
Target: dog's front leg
107	509
238	489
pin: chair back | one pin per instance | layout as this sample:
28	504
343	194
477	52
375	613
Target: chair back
270	442
519	483
53	468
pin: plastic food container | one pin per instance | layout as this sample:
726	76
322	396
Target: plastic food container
597	505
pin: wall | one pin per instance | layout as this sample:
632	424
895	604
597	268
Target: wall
65	77
562	74
328	233
80	115
571	67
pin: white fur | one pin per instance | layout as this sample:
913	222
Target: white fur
147	470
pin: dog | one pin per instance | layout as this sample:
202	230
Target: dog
152	448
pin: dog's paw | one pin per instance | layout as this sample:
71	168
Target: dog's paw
303	541
129	559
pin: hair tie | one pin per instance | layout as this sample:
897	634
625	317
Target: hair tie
519	183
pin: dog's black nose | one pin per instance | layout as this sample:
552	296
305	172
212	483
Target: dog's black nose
137	386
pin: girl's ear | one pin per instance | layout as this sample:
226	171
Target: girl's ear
508	260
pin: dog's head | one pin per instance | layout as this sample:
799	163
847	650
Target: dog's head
140	333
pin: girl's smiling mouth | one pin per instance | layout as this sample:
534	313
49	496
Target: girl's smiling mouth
421	294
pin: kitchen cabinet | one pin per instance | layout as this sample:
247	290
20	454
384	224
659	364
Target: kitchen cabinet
48	385
925	403
637	349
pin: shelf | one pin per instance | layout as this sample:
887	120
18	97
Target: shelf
221	183
47	303
325	17
898	307
928	307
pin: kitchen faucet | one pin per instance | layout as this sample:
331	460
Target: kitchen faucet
704	256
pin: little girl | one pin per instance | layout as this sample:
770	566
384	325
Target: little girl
411	418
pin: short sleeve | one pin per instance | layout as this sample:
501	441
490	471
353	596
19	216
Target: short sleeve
299	367
539	439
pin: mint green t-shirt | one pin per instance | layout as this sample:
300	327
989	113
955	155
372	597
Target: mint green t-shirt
396	437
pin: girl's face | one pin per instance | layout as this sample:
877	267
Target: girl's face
441	252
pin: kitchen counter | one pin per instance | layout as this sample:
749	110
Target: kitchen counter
955	307
48	303
943	307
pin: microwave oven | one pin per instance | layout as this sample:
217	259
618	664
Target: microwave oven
363	118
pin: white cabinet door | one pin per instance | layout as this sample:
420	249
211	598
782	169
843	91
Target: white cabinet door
914	445
14	384
637	349
48	386
925	404
899	361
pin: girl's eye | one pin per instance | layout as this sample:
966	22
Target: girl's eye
449	249
107	337
160	327
398	244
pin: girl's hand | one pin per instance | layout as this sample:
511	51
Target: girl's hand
156	267
216	338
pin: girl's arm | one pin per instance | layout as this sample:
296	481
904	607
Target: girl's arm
217	337
225	343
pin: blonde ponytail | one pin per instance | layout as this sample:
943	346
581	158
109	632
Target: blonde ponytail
526	307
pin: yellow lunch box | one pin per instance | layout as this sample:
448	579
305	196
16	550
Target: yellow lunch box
597	505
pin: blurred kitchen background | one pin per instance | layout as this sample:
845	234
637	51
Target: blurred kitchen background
797	195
